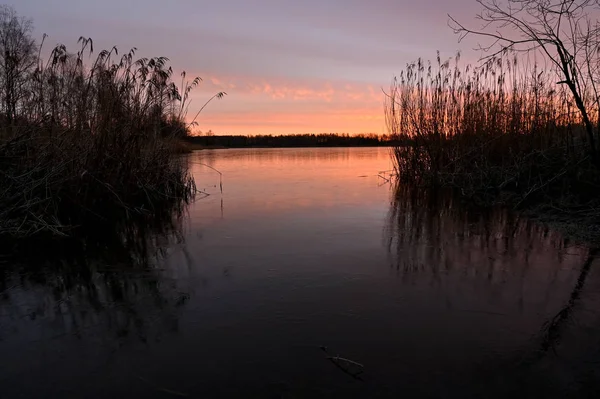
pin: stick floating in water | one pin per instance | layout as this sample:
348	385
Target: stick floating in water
344	364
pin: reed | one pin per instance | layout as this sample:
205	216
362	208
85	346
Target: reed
91	142
503	132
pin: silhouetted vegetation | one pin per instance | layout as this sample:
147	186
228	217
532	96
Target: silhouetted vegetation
106	281
506	131
81	143
292	140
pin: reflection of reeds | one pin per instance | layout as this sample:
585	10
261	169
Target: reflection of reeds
432	236
107	281
431	231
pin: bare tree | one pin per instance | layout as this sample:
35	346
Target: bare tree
565	32
18	58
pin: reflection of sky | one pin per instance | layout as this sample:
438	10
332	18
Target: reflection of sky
288	66
318	181
309	253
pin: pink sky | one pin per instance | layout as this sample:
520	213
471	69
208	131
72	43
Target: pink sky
288	66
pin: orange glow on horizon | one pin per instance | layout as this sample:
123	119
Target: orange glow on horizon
263	105
352	122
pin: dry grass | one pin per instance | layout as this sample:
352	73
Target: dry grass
501	133
93	143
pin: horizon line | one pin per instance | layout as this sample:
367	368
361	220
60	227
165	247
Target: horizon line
286	134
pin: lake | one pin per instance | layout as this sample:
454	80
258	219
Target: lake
305	273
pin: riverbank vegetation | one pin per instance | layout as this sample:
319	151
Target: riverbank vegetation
86	137
292	140
521	128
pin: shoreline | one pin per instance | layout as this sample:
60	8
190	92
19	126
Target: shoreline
580	226
577	228
186	146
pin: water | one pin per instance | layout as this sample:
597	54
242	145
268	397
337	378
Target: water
304	248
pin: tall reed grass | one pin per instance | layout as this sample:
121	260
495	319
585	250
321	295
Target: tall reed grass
92	143
502	132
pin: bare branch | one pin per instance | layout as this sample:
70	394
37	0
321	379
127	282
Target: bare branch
558	30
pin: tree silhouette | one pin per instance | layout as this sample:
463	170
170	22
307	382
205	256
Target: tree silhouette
563	32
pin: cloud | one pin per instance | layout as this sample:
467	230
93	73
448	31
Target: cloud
305	65
277	106
290	89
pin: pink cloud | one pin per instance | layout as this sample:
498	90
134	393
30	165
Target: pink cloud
291	89
275	105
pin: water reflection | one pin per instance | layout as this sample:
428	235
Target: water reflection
292	155
522	277
111	289
265	182
432	238
457	302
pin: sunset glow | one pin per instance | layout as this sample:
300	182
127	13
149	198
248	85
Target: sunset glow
283	106
287	66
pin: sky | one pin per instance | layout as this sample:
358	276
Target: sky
287	66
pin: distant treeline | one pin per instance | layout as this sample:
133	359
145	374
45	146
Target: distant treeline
294	140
